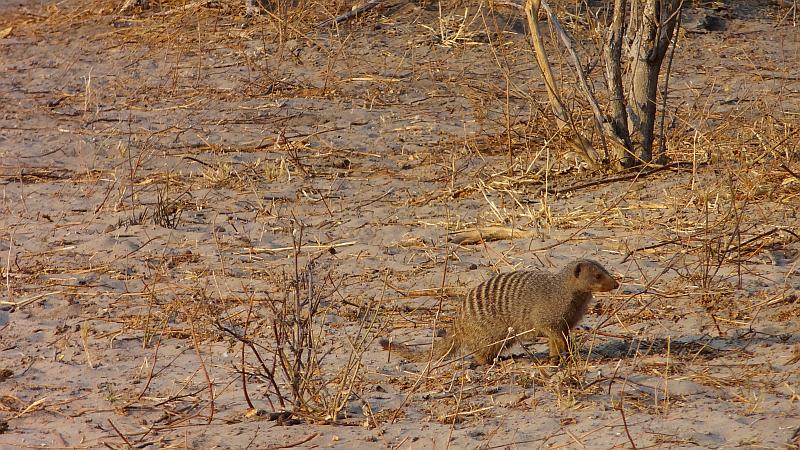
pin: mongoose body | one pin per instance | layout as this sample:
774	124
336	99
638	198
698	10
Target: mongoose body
525	304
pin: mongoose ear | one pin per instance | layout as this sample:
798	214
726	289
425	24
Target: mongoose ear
578	268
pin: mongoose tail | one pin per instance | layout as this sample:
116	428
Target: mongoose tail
441	349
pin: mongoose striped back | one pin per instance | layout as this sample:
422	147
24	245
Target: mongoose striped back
519	305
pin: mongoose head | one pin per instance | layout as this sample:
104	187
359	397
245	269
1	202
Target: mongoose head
591	276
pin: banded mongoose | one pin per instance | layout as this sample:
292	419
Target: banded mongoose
539	303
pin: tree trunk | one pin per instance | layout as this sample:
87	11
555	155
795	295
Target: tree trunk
631	125
650	44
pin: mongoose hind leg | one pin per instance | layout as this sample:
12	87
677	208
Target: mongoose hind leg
487	353
558	341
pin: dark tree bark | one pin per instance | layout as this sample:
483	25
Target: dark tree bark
650	44
613	60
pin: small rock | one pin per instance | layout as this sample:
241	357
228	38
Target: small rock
684	387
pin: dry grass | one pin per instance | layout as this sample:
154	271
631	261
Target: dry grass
261	241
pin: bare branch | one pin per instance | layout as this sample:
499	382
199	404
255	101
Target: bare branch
599	118
613	57
577	141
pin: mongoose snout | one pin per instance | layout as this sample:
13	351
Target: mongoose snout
601	280
519	305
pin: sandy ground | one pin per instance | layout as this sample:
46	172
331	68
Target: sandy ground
173	177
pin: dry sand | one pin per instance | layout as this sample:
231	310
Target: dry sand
165	172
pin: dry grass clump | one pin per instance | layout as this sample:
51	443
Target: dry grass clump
246	175
302	369
292	345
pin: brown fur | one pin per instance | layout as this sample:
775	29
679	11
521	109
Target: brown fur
540	303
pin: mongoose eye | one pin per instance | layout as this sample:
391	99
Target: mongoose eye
598	276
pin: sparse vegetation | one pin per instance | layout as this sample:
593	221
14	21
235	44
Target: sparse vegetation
207	217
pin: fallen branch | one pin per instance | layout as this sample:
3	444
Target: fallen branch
182	8
631	176
119	433
789	171
487	234
29	300
257	250
353	12
737	248
446	291
294	444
